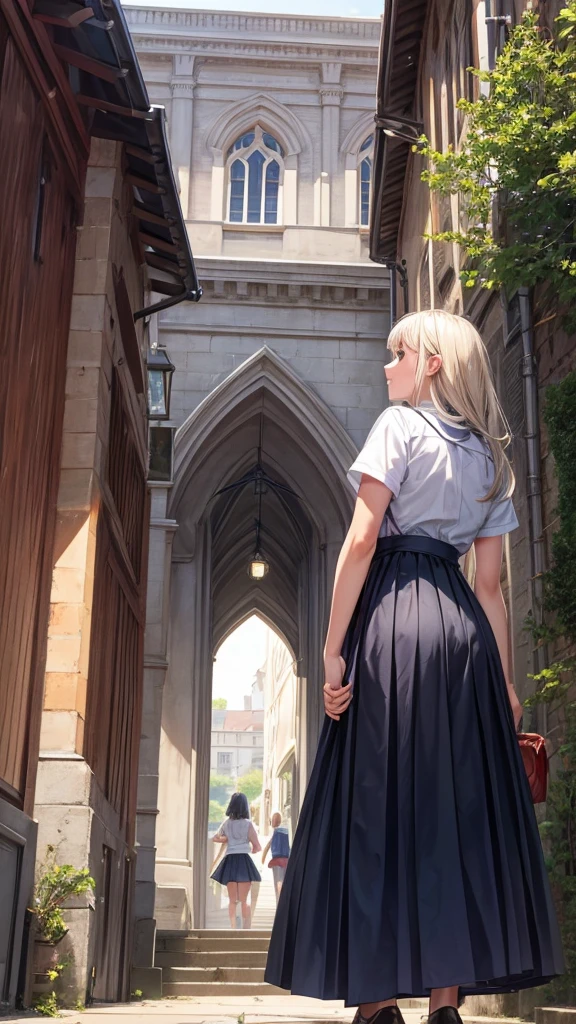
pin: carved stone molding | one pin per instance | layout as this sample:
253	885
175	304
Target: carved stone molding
350	29
331	73
292	293
230	49
331	97
183	90
260	108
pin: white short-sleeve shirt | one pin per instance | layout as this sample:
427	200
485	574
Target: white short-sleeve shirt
240	833
436	472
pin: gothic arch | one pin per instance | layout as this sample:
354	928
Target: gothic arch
355	137
260	108
224	630
264	371
263	405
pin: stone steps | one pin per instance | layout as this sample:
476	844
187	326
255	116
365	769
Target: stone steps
218	988
208	974
214	962
211	958
222	962
232	934
219	946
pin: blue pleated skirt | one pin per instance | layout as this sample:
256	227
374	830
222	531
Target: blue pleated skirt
417	861
236	867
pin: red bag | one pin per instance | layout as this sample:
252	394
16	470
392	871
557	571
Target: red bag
535	758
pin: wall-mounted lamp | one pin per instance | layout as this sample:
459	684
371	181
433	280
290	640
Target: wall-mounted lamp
400	128
160	371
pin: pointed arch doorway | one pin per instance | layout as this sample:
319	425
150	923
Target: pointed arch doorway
305	449
253	751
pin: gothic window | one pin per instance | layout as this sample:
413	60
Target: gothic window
365	180
255	171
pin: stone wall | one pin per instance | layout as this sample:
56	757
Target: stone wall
328	323
73	813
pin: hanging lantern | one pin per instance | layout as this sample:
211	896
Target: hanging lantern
160	371
258	567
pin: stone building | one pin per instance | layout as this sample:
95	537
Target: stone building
236	745
280	756
279	372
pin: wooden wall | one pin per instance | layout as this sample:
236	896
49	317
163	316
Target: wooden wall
113	711
37	247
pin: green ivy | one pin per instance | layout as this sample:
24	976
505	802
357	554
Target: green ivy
518	157
555	684
560	418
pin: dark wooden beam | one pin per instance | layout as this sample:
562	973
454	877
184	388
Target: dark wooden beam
54	14
89	65
143	183
112	108
152	218
160	264
165	287
141	154
157	243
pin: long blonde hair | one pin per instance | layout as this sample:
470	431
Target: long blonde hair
462	390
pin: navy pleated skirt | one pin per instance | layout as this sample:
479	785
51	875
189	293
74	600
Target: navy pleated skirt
417	861
236	867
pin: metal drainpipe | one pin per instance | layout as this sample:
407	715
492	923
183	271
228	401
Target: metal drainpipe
393	294
184	296
534	480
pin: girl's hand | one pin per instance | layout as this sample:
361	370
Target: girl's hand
334	669
336	697
517	710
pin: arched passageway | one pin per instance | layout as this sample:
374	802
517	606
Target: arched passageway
304	448
252	751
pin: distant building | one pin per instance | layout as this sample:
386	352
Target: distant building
280	699
237	742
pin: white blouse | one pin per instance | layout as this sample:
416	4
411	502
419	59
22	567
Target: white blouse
436	472
240	833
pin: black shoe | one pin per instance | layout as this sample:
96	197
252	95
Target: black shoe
386	1015
445	1015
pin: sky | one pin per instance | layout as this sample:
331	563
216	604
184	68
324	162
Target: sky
238	660
326	8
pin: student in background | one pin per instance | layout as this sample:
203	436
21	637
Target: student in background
279	846
237	870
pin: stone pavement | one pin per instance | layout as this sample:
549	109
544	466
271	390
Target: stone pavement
278	1009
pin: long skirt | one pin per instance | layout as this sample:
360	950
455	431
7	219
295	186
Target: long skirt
417	862
236	867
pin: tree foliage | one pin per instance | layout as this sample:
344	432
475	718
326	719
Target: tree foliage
216	811
517	165
251	784
219	704
221	788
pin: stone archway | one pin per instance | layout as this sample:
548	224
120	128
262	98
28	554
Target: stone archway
306	448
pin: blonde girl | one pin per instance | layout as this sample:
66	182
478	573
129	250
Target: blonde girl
416	868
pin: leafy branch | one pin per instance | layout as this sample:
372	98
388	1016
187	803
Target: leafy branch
517	161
